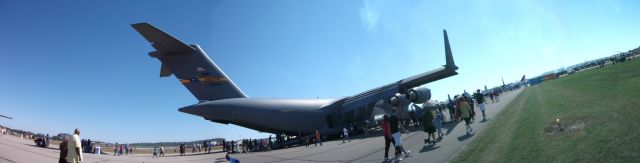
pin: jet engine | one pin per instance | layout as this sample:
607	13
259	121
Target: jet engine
418	95
398	100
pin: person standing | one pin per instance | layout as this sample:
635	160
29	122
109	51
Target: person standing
205	145
437	122
307	141
472	112
345	135
155	152
238	146
457	106
74	148
480	100
318	138
465	110
395	130
63	150
115	149
451	107
491	96
428	127
161	151
387	136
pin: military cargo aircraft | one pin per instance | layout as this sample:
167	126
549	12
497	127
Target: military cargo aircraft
222	101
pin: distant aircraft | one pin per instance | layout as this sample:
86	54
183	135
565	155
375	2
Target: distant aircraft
221	101
5	117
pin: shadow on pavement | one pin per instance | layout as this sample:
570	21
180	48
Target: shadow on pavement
428	148
449	126
194	154
466	136
220	160
377	132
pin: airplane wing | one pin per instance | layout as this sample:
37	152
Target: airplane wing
402	86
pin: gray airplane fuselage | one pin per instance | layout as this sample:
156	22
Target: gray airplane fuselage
288	116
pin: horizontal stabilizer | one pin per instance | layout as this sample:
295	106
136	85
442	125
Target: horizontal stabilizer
190	65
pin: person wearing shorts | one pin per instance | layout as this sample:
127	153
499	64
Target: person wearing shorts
393	127
480	100
428	127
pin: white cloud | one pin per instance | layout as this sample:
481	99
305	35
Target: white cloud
370	14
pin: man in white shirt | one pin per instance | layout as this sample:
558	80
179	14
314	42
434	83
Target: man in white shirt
74	153
345	135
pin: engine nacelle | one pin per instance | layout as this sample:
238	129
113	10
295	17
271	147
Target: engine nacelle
398	100
394	101
400	104
419	95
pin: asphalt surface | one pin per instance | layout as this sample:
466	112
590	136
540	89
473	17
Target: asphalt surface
371	149
360	149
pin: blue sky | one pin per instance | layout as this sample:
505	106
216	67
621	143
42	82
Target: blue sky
68	64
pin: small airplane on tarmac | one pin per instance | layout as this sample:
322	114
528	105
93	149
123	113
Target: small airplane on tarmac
222	101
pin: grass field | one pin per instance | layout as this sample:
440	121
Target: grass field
599	112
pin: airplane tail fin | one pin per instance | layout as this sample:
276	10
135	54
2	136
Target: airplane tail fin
190	64
447	50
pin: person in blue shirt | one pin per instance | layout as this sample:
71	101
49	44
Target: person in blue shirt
231	159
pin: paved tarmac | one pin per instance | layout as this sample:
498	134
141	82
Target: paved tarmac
360	149
13	149
371	149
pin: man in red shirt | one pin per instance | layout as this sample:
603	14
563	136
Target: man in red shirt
387	136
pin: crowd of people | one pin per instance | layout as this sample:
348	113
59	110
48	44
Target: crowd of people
122	149
247	145
430	117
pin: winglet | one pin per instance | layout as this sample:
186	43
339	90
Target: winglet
447	50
